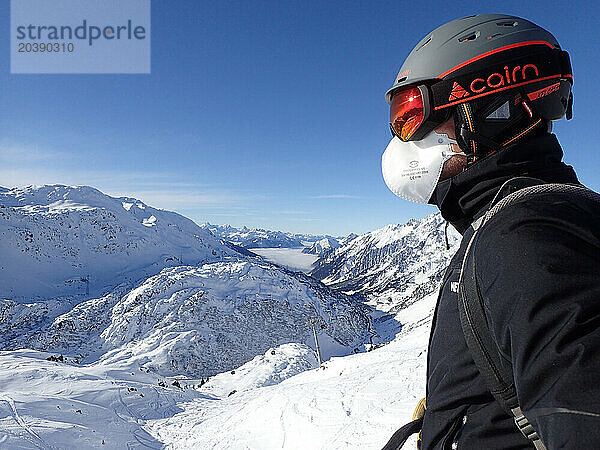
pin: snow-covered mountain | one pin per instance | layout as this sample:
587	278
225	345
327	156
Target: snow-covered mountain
348	239
196	320
323	246
260	238
268	369
66	240
253	238
391	266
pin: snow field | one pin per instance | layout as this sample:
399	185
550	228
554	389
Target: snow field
61	405
281	399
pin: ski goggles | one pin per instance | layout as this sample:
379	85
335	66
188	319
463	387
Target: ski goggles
412	116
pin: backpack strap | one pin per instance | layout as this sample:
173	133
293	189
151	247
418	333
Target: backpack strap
483	348
401	435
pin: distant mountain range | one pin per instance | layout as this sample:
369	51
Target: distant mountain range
323	246
262	238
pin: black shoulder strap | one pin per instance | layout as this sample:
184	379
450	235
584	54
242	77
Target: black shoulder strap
477	334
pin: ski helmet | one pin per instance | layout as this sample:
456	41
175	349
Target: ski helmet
502	77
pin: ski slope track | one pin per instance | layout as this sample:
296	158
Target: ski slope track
62	405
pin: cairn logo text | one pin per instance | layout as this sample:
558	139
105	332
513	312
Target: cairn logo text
84	32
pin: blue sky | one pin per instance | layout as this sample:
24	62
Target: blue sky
265	114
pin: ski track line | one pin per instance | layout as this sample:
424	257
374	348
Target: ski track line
141	437
132	417
35	439
170	406
135	431
281	420
341	431
127	410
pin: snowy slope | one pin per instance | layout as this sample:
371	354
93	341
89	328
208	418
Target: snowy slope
232	317
274	366
392	266
195	319
279	399
354	402
63	406
200	321
54	238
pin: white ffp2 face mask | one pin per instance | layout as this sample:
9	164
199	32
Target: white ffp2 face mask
412	169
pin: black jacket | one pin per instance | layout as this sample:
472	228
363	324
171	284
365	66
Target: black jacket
539	273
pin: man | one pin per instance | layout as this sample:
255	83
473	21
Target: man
471	109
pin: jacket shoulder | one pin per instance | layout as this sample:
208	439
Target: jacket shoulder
542	248
542	212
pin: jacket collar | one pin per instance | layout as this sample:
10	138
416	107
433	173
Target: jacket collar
464	197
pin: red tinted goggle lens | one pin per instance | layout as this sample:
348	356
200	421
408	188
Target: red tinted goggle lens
406	112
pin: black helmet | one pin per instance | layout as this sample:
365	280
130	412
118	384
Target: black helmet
503	77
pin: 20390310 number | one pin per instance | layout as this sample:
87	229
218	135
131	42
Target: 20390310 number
42	47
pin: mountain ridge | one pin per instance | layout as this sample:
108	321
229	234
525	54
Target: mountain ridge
70	239
126	365
263	238
393	265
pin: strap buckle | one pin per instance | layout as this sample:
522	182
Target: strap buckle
525	427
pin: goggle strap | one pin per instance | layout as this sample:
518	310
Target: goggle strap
478	137
486	79
466	122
